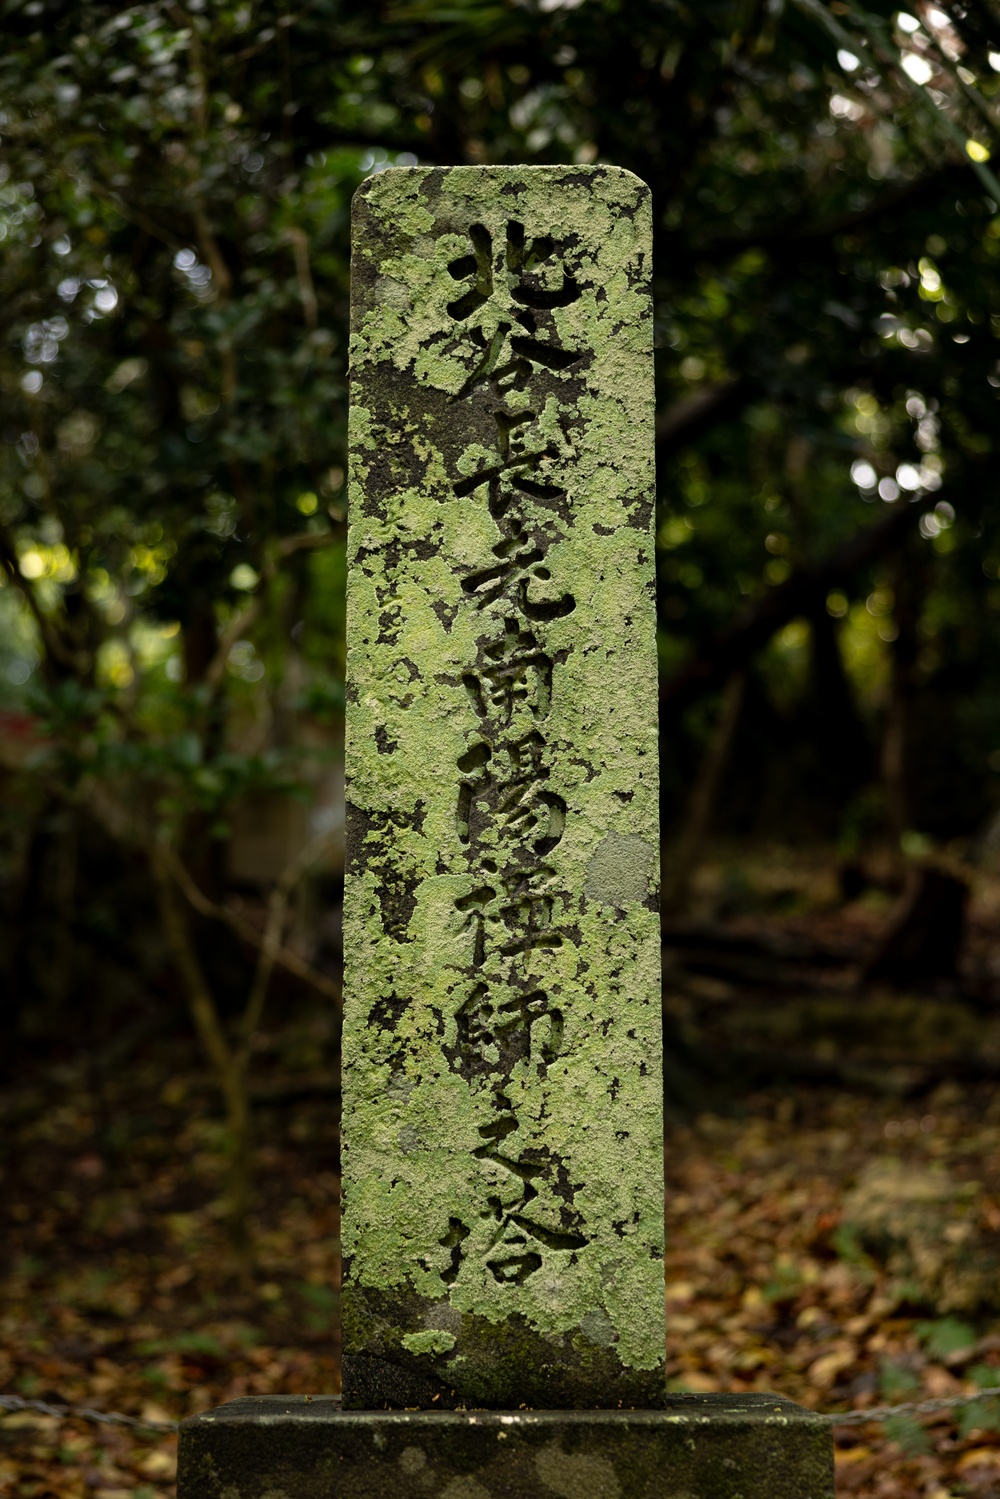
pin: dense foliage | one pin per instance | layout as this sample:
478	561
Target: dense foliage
174	283
175	185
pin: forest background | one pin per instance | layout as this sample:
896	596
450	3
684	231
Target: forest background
175	186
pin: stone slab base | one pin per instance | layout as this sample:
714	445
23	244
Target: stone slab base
697	1447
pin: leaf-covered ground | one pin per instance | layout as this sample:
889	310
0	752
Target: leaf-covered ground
802	1257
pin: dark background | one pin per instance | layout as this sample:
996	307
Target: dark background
175	185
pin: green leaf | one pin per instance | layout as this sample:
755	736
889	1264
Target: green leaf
980	1415
187	751
984	1375
897	1379
945	1335
908	1434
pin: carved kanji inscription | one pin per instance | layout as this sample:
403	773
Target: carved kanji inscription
502	1111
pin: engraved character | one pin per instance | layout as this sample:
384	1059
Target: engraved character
517	671
524	268
527	914
473	906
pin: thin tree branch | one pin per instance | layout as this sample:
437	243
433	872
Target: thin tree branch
229	1063
51	638
236	628
136	216
284	957
200	1002
187	23
284	22
731	651
684	421
685	855
248	617
299	241
939	122
271	943
209	246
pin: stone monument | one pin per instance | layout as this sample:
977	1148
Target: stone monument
503	1308
503	1198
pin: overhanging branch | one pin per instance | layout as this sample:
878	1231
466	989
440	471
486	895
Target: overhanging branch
687	419
731	651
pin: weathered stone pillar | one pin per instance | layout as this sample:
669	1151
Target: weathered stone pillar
503	1187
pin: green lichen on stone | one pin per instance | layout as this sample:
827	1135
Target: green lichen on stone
502	1123
428	1342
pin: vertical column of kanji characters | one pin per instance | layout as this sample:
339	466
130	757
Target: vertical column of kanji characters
502	1126
510	817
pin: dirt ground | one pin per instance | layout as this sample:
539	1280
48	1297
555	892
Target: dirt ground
833	1231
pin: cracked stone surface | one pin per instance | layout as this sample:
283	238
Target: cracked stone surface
503	1185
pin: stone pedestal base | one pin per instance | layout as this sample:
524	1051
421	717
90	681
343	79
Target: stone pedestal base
696	1447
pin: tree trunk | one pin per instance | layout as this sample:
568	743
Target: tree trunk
839	735
228	1064
923	939
906	613
686	853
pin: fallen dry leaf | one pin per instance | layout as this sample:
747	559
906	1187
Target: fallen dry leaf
843	1457
978	1457
824	1371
